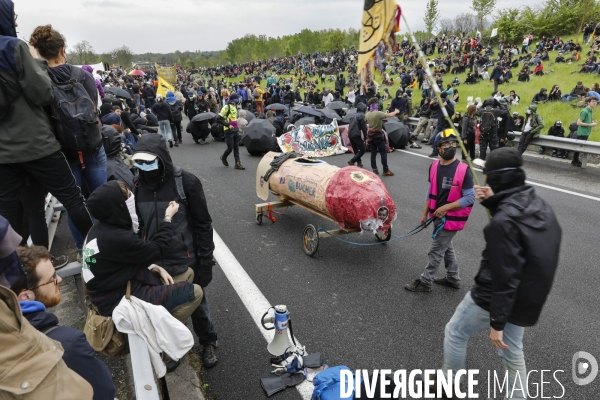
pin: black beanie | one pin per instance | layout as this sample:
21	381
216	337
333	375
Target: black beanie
503	180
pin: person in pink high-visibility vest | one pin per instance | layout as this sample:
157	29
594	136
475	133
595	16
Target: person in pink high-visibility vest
450	196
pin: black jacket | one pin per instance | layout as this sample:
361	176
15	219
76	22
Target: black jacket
435	107
192	241
520	258
121	252
79	355
148	92
162	111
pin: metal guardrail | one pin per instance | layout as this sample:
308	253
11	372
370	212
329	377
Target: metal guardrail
582	146
143	375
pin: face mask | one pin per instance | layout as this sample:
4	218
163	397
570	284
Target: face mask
448	153
131	207
148	167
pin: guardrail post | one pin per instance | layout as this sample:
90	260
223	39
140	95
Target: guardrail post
584	158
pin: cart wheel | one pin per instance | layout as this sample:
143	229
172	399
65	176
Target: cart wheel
259	218
387	237
310	240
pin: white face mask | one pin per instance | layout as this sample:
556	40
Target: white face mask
131	207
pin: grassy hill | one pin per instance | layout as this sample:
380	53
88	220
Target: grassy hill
565	75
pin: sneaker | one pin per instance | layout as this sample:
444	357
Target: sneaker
433	154
578	165
351	163
415	146
541	151
360	166
59	262
417	286
170	143
388	173
209	355
224	160
425	141
553	154
446	282
176	143
376	172
80	256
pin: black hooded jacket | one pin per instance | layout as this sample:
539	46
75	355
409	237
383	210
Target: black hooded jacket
116	170
121	253
79	355
520	258
192	241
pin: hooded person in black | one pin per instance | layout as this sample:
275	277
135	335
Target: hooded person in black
488	136
517	269
116	170
191	243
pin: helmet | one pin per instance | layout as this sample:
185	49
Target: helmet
447	135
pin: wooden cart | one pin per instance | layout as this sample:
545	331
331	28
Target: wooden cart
310	235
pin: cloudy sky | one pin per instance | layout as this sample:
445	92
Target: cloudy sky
164	26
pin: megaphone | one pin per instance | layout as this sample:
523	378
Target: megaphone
281	321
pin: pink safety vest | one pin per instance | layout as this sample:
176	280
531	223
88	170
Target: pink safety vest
456	219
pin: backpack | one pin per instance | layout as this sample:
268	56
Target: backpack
176	111
488	119
255	94
354	127
77	123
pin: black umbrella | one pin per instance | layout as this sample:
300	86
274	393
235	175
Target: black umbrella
259	136
327	113
349	114
249	116
118	92
308	111
275	106
305	121
397	133
203	116
336	105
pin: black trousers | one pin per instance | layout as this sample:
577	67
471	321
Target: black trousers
33	222
470	146
358	146
233	144
524	141
176	129
54	174
490	139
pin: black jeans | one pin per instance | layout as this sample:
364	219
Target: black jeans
54	174
470	146
202	323
33	221
233	144
524	141
176	129
379	147
576	154
358	146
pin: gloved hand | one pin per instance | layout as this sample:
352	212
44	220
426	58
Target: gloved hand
204	273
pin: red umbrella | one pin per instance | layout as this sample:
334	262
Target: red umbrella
137	72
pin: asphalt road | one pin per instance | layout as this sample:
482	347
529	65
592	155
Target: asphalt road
349	302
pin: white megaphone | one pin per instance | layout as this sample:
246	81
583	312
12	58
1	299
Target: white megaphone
281	321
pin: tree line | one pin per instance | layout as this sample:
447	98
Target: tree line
554	17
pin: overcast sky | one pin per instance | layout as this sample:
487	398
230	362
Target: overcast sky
163	26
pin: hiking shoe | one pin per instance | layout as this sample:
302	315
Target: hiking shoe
209	355
170	143
224	160
417	286
388	173
350	163
80	256
415	146
446	282
59	262
238	165
360	166
376	172
172	365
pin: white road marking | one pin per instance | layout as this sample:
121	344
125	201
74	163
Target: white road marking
585	196
254	301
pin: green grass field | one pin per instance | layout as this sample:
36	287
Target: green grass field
550	112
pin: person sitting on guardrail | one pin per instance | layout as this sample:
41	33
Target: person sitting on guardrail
38	289
533	125
555	130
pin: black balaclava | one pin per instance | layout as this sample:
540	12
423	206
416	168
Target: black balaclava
503	168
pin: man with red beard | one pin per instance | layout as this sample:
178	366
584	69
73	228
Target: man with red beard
39	288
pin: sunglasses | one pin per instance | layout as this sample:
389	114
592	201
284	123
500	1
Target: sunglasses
54	280
147	162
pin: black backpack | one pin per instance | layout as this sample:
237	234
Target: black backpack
488	119
77	123
354	127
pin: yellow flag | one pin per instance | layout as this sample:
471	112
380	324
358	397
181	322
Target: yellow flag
167	77
380	20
